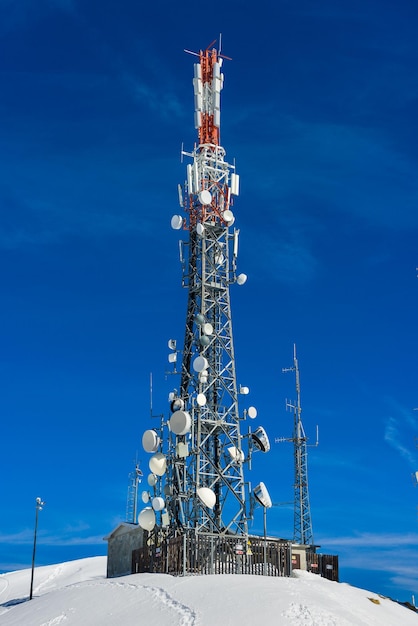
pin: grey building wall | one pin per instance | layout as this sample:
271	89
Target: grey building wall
121	542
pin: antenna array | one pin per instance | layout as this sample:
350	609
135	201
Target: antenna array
198	454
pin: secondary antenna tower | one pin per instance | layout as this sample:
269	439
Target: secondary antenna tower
302	533
135	478
199	452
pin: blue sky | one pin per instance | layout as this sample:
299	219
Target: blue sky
319	111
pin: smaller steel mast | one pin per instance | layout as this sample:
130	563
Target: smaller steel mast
135	478
302	533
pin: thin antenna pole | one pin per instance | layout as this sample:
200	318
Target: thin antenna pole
303	534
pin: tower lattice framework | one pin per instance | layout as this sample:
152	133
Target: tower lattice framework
199	453
208	385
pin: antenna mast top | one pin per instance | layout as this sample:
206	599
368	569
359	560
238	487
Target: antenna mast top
208	83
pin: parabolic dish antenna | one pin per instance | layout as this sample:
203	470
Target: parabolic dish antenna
177	404
152	480
242	279
150	441
158	464
180	422
207	329
260	439
205	197
262	495
204	340
228	217
176	222
207	496
252	412
158	503
199	319
200	363
146	519
145	497
200	229
236	455
201	399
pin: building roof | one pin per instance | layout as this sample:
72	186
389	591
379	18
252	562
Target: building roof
120	529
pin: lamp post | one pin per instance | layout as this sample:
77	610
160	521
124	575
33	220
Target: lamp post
38	507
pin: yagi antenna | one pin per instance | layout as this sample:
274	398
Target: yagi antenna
190	52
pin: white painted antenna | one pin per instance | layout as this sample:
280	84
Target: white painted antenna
236	233
181	203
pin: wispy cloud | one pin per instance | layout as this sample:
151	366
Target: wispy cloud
399	564
290	261
344	167
393	554
58	540
150	94
48	200
315	176
407	415
393	438
22	537
373	540
339	167
69	537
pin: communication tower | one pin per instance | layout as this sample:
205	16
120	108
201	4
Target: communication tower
302	533
135	478
198	454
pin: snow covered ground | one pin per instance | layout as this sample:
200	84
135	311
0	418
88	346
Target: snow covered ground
78	593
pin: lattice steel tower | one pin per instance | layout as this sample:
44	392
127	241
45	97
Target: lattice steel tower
201	457
302	533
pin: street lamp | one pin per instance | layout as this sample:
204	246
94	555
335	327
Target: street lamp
39	505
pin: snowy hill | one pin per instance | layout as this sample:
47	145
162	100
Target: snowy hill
77	593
